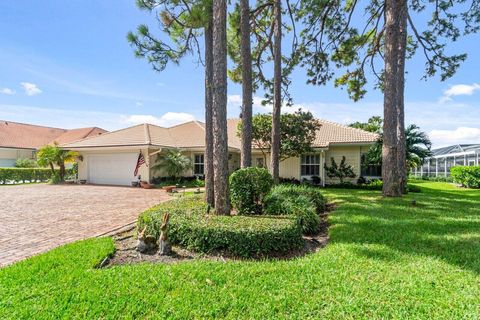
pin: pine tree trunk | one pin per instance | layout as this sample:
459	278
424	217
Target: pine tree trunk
402	44
247	99
390	176
220	142
277	94
208	160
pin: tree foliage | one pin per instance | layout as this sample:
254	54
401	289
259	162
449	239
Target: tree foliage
333	46
182	21
262	23
298	132
374	124
418	143
173	162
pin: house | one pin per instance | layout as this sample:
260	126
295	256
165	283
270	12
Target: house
21	140
111	158
442	159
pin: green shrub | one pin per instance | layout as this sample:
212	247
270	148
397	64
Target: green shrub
17	175
55	178
273	202
301	201
248	186
468	177
245	236
25	163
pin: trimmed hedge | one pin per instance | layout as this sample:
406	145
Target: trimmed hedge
245	236
23	175
248	186
303	202
467	176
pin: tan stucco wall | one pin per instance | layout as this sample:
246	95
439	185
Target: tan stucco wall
233	164
289	168
8	156
352	156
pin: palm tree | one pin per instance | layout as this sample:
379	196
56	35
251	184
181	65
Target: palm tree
53	155
417	145
172	162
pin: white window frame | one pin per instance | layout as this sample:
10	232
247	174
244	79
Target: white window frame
317	163
195	164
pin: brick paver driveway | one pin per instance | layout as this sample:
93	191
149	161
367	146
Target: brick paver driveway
37	218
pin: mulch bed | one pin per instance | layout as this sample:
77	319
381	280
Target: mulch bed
126	253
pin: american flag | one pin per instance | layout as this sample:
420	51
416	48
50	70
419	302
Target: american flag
140	161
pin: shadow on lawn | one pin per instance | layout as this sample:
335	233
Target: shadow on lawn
444	224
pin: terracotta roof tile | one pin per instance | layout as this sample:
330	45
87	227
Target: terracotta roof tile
78	134
335	133
28	136
192	135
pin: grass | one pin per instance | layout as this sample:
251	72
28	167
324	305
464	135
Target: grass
386	259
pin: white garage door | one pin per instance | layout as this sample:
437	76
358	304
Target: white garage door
115	168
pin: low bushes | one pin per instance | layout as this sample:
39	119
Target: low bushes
303	202
374	184
244	236
468	177
248	186
434	179
24	174
189	182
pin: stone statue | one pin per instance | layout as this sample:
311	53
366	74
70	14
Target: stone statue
165	247
145	242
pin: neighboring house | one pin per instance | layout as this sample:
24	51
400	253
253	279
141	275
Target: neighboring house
111	157
20	140
442	159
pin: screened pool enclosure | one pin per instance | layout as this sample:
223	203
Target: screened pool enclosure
439	164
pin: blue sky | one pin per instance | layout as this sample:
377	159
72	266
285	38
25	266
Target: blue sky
68	64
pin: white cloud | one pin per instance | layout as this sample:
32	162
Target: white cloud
76	118
167	120
455	136
459	90
31	89
7	91
138	104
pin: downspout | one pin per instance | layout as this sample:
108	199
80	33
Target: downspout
323	168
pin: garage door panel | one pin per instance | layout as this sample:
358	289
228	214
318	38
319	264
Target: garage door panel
115	169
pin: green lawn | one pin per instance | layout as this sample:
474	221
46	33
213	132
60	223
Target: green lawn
386	259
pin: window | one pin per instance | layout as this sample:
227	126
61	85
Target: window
369	170
310	165
259	163
199	164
